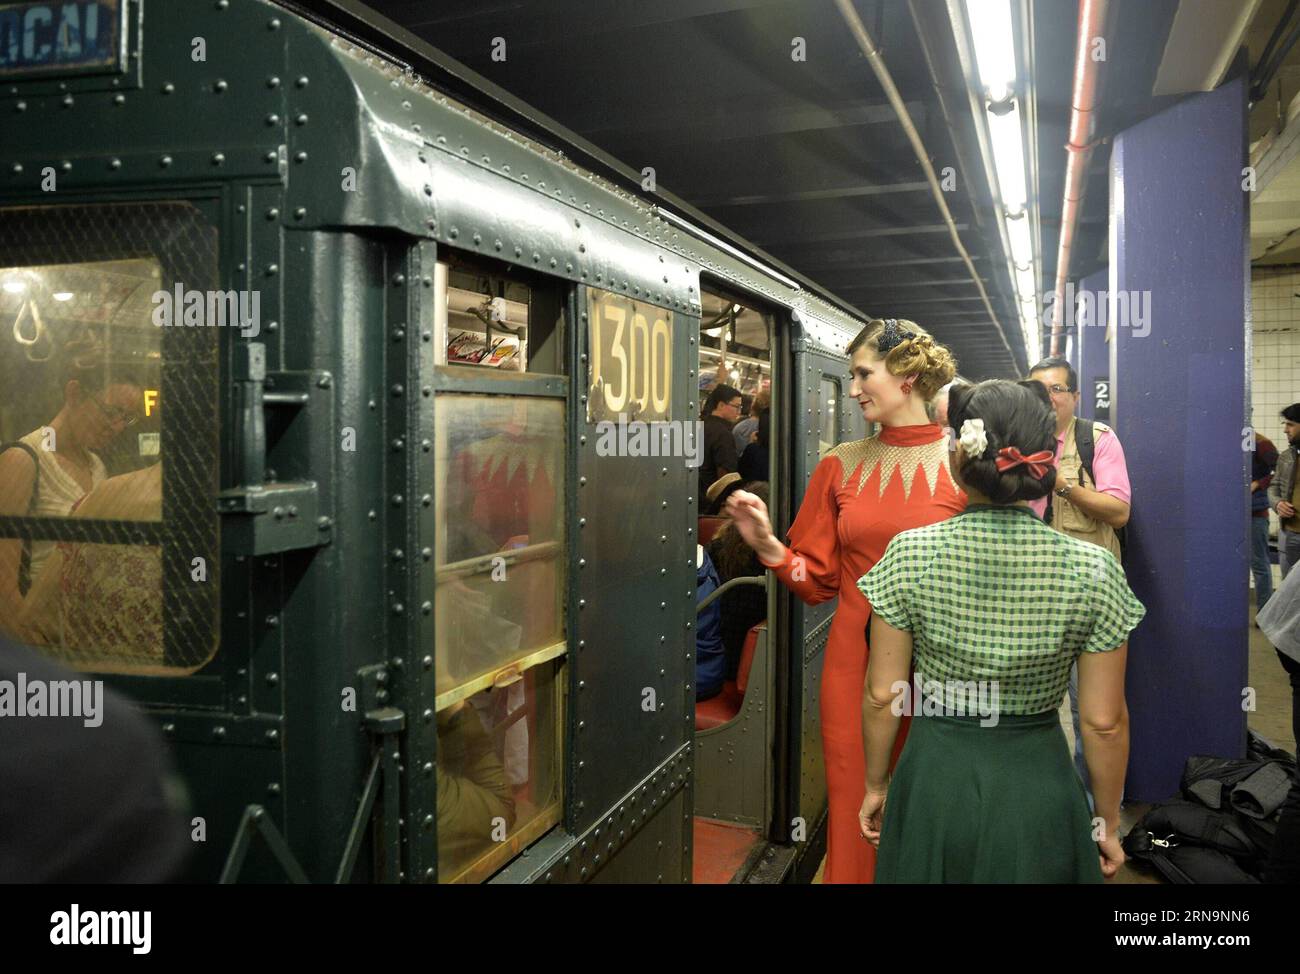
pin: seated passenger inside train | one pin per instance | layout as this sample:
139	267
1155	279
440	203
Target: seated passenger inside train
745	606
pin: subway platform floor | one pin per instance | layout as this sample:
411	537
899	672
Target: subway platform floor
1271	720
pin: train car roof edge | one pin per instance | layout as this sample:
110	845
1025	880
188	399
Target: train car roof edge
367	28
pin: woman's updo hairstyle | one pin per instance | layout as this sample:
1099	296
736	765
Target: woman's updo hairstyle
1013	415
908	349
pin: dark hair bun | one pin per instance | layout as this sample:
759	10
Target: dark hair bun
1013	415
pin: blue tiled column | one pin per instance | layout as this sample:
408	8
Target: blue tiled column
1092	360
1178	231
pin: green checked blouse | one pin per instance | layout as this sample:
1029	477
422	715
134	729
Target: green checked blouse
994	594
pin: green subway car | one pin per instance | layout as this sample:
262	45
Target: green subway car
349	346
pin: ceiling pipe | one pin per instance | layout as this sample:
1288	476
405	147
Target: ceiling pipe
1087	72
872	54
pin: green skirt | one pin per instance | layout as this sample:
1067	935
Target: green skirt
1000	804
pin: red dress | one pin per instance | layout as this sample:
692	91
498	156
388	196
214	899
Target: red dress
860	496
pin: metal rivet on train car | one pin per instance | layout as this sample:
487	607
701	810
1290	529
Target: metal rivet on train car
663	605
582	481
582	603
536	257
66	166
496	244
67	101
426	391
582	522
115	164
273	23
273	82
426	445
478	239
273	119
323	382
427	715
582	684
398	608
427	662
300	157
119	99
426	607
17	167
664	472
663	539
223	4
272	213
20	106
301	119
582	562
219	86
426	553
169	728
427	822
301	82
272	735
272	270
218	732
397	500
218	158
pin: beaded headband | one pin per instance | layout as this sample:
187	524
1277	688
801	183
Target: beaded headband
891	336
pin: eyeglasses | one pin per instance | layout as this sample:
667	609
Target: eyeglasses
116	414
1057	389
736	405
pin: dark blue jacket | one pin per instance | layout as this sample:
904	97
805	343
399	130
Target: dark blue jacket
710	656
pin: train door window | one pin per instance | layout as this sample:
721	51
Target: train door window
498	615
736	351
487	318
828	419
109	544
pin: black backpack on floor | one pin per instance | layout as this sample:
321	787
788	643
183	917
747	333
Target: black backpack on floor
1221	830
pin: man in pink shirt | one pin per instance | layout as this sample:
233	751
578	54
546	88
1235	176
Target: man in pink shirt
1085	506
1088	506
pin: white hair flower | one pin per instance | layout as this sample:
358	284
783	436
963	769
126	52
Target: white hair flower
973	438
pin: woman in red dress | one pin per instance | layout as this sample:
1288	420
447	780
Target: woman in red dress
860	496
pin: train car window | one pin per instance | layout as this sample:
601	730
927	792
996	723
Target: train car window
631	348
500	555
828	420
109	545
498	774
492	318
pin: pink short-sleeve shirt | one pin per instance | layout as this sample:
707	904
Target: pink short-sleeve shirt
1108	465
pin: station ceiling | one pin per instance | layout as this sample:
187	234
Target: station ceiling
806	159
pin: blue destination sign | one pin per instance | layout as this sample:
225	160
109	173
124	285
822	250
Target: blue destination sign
60	37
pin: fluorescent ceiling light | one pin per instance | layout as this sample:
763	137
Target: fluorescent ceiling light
1009	158
15	287
994	43
1026	284
62	295
1022	247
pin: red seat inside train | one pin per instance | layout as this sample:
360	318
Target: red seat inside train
718	710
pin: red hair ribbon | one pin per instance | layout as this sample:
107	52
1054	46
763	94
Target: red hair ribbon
1038	463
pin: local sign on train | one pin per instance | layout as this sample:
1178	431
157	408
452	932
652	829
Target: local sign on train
60	38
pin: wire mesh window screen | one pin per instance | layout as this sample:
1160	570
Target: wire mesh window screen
109	538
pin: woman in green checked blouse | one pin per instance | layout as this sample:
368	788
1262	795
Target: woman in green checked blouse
993	607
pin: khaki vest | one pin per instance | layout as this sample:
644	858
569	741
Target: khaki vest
1069	519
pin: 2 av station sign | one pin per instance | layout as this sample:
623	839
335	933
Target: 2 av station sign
38	39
